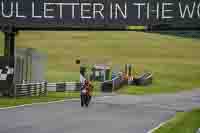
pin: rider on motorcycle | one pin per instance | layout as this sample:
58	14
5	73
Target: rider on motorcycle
86	90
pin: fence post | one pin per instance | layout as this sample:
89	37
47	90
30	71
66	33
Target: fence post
113	85
35	89
65	86
15	90
40	89
28	87
45	88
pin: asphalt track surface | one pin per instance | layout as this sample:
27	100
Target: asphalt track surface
107	114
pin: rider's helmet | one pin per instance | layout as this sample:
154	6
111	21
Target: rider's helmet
86	82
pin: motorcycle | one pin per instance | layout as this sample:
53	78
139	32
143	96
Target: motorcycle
85	98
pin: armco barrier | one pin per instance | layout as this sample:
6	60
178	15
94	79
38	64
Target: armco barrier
64	86
113	85
31	89
107	86
35	88
60	87
145	79
118	82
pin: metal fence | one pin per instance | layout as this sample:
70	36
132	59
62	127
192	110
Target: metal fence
118	82
143	80
64	86
112	85
35	88
31	89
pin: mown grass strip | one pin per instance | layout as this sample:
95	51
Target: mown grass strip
184	122
51	96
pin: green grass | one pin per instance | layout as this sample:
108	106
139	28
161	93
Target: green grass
187	122
51	96
173	60
135	27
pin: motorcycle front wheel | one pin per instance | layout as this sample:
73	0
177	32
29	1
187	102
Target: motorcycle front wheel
84	100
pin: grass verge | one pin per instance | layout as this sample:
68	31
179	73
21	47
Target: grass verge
51	96
184	122
141	90
173	60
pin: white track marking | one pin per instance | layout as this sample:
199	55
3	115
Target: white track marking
40	103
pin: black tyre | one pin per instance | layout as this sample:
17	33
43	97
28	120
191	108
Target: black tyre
82	104
82	101
87	101
86	105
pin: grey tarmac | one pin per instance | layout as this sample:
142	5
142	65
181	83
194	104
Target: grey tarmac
106	114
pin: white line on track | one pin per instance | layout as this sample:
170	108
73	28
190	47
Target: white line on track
40	103
157	127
